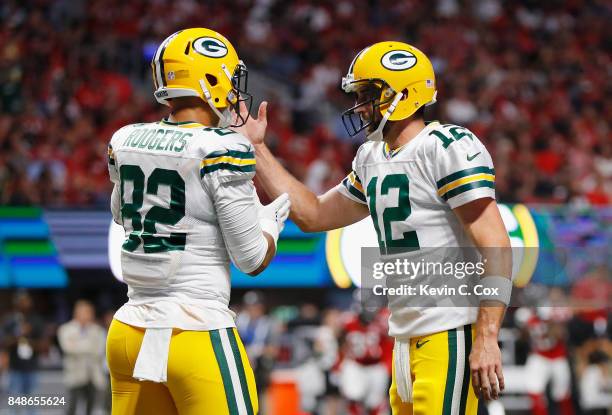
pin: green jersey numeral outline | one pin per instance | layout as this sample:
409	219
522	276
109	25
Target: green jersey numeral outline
456	132
399	213
145	231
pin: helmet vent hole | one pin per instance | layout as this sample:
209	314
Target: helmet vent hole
187	48
405	93
212	80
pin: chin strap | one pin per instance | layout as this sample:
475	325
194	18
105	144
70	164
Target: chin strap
433	100
377	135
225	117
225	120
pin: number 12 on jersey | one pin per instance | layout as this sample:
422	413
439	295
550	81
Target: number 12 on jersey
399	213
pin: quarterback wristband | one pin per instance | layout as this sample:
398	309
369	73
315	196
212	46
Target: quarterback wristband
270	227
496	288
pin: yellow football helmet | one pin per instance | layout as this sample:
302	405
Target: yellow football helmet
400	78
201	63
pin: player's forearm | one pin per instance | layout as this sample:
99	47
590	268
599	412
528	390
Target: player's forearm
497	256
237	215
276	180
490	317
269	255
483	223
116	204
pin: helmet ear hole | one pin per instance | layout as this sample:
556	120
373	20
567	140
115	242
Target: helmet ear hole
404	94
212	80
216	99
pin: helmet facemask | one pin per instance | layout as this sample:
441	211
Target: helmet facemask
374	93
237	95
240	80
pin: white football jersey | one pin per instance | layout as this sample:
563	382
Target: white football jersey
172	181
410	193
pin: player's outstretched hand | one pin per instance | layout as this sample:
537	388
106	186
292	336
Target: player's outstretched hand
486	368
255	128
272	217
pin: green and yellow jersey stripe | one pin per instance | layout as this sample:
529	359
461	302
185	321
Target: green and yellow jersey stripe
111	155
184	124
465	180
354	186
234	160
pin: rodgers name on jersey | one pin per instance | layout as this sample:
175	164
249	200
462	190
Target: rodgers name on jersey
157	139
410	193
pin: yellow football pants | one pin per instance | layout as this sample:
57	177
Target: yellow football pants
441	379
208	373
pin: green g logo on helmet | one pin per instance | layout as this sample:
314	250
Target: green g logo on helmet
398	60
209	46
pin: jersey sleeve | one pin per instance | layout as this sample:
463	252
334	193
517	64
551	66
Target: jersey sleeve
463	169
113	173
226	174
233	160
237	217
351	185
116	204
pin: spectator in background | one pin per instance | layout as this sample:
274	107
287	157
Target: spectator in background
3	369
506	70
107	395
23	338
83	342
309	373
364	376
327	351
591	296
596	385
548	362
255	330
320	170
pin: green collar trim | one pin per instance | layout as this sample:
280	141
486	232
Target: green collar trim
166	121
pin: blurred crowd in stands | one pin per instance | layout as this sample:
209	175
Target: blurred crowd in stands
317	358
530	78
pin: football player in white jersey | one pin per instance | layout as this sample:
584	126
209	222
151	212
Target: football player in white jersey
184	194
424	185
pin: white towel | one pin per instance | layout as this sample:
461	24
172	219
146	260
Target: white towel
152	361
403	378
